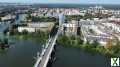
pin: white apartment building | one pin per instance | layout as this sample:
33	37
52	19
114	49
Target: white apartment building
32	27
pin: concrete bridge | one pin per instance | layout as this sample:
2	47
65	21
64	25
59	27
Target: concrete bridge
48	50
45	56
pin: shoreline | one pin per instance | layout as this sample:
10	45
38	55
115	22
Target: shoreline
90	48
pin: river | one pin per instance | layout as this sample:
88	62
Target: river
22	53
72	57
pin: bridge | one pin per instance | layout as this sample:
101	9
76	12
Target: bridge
45	55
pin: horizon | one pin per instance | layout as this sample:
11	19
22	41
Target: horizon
55	3
111	2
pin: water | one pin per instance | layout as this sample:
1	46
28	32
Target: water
107	6
21	54
72	57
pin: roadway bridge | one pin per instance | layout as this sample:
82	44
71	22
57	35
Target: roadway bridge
48	50
45	56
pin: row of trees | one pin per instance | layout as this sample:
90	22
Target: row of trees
86	16
109	50
38	36
73	17
41	19
44	19
69	41
93	47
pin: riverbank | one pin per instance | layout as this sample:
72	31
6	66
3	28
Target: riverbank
39	36
93	48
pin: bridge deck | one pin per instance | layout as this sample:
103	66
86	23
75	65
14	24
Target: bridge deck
43	60
48	52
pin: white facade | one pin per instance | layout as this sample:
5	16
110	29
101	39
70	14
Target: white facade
7	17
29	29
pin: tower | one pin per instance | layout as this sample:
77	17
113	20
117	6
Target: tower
61	19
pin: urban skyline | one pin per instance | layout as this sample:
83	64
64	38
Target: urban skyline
64	1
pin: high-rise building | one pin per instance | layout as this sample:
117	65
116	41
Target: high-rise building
61	18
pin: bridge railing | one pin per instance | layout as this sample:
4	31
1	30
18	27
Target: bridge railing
39	59
44	50
42	54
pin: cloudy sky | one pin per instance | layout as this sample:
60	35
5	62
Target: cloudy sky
65	1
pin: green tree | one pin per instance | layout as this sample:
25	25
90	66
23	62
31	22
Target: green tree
0	19
95	43
24	32
80	41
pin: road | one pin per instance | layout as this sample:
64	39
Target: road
46	53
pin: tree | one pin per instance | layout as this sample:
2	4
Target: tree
64	29
116	48
73	37
11	30
29	16
80	41
109	44
5	40
91	31
66	21
95	43
24	32
0	19
88	16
